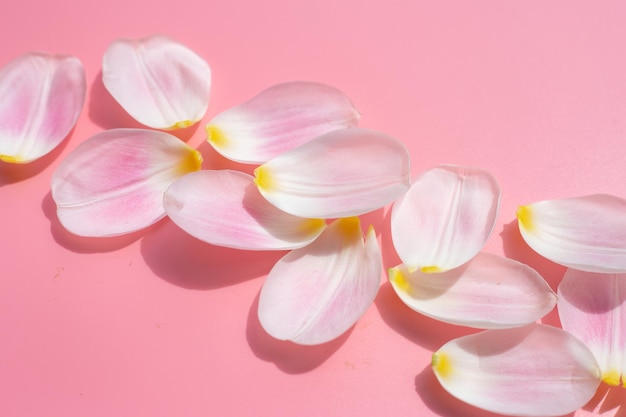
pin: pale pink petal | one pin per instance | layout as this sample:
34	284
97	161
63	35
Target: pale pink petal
343	173
586	233
279	119
316	293
445	218
225	208
113	183
158	81
592	307
488	292
42	97
535	370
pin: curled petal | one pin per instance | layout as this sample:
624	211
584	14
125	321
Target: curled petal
113	183
445	218
488	292
159	82
535	370
225	208
316	293
343	173
42	97
592	307
586	233
278	119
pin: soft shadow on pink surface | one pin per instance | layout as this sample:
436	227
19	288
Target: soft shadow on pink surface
80	244
515	247
12	173
288	357
608	402
187	262
105	112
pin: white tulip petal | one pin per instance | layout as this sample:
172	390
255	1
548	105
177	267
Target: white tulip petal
316	293
535	370
225	208
343	173
42	97
592	306
586	233
159	82
445	218
113	183
278	119
488	292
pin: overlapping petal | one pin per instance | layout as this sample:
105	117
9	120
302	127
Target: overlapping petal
113	183
535	370
225	208
592	306
586	233
487	292
279	119
445	218
316	293
42	97
343	173
158	81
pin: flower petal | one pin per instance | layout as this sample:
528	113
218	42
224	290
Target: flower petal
586	233
279	119
535	370
488	292
42	97
445	218
343	173
113	183
225	208
592	307
316	293
159	82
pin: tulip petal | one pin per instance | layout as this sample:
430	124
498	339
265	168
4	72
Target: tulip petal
159	82
279	119
488	292
343	173
592	307
225	208
42	97
113	183
445	218
535	370
586	233
316	293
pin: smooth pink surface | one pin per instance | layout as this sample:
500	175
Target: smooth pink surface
160	324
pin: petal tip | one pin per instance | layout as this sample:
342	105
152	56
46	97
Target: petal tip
525	217
441	364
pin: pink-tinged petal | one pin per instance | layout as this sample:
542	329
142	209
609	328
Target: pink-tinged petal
225	208
488	292
343	173
158	81
592	307
278	119
535	370
42	97
113	183
316	293
445	218
586	233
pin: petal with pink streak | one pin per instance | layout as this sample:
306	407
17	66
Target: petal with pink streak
113	183
225	208
535	370
42	97
279	119
158	81
316	293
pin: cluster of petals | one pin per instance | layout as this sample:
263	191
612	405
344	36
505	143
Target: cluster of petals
538	370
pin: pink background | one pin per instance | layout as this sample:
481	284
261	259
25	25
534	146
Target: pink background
159	324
